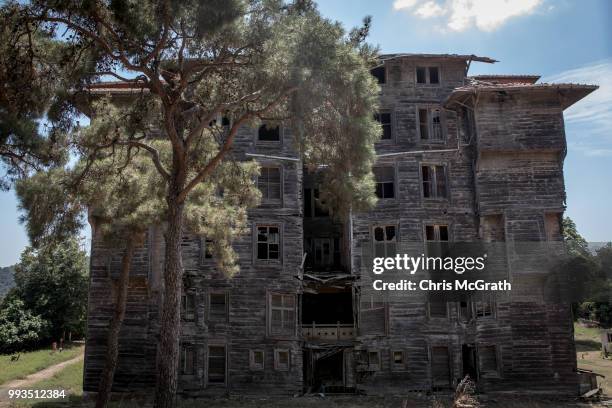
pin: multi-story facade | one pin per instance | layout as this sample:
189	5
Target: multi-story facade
461	159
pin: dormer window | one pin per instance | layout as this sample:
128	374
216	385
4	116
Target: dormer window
427	75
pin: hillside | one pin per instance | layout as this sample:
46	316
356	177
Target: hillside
6	279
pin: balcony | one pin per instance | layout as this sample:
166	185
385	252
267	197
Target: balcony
338	331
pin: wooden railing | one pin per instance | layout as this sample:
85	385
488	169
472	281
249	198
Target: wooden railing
336	331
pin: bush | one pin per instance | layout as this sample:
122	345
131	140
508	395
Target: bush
19	328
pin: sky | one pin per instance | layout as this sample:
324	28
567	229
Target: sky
561	40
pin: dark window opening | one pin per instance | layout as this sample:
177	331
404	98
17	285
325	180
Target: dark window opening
268	243
207	248
327	308
385	182
216	364
281	360
188	360
374	360
398	359
434	181
421	75
384	118
468	355
424	124
188	305
379	74
256	359
218	306
437	307
427	75
268	133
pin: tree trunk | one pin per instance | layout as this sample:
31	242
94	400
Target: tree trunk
112	348
170	327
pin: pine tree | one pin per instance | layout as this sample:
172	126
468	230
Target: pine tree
248	61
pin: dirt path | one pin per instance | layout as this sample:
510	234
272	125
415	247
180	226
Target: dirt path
34	378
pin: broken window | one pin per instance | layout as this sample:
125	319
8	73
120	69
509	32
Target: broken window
434	181
281	314
269	183
609	337
268	243
385	242
188	360
216	364
437	239
384	118
440	367
430	124
398	359
379	73
488	359
217	309
188	304
256	360
206	249
268	133
385	182
427	75
281	360
374	360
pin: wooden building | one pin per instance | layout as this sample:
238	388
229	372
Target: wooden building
461	158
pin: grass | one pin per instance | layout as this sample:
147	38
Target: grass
587	338
70	379
33	361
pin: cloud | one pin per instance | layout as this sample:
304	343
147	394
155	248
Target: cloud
460	15
429	9
589	121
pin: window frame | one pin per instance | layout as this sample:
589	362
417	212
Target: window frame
434	182
374	366
277	364
393	182
384	226
430	316
253	366
272	201
184	297
204	259
496	353
255	242
391	124
427	82
289	333
209	315
394	365
281	133
226	360
183	359
430	124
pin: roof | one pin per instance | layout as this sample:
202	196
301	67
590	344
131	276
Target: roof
506	78
572	93
463	57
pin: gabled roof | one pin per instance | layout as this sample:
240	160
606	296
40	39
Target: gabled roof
463	57
571	93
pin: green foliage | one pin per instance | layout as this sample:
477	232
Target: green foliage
52	283
576	244
33	361
19	328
